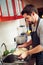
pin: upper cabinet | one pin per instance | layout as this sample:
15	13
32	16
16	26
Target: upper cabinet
10	9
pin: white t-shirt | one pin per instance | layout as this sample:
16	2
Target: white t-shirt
40	31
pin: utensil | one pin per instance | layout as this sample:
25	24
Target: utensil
21	38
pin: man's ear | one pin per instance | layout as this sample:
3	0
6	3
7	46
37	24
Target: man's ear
33	13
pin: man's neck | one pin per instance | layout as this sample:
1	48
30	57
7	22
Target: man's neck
36	20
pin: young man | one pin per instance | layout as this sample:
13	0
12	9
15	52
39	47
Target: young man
31	16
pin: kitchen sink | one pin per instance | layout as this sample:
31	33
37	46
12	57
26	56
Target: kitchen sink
16	63
9	58
13	60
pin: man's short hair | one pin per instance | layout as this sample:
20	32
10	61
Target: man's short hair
29	9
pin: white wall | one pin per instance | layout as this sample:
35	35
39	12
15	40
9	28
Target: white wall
8	30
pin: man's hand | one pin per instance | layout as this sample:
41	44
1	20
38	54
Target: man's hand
23	55
24	45
19	46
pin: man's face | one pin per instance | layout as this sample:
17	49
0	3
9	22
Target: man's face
28	18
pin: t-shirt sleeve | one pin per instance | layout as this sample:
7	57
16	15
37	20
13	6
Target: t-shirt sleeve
28	38
41	32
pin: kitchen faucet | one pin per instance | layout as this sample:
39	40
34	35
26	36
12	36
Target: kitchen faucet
6	52
1	58
4	46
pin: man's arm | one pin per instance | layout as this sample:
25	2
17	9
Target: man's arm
37	49
25	44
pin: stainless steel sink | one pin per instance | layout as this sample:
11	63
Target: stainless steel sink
12	60
16	63
9	59
8	63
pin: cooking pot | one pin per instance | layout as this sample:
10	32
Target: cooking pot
21	39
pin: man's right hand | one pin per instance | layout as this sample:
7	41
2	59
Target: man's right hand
26	44
20	46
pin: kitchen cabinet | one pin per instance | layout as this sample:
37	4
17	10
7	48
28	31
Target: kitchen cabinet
9	18
10	9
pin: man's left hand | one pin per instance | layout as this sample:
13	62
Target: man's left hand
23	55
